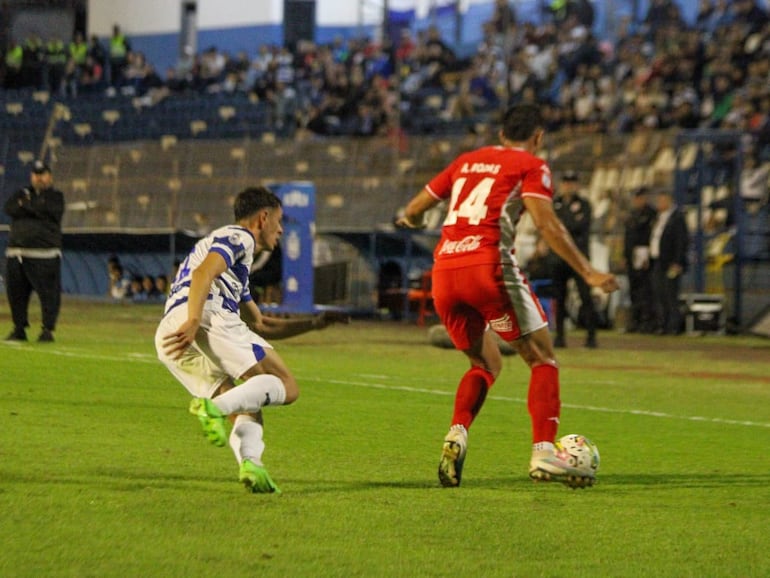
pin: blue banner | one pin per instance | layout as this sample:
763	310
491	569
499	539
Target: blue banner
298	200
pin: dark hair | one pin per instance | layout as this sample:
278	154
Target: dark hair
252	200
521	121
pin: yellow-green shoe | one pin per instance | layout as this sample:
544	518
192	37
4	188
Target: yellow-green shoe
256	479
212	420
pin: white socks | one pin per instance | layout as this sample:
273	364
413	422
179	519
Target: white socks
542	449
246	439
252	395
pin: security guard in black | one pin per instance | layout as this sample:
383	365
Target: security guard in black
33	255
574	212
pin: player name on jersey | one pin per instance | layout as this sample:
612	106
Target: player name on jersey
486	168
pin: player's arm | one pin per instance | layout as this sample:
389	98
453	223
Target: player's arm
558	238
212	267
420	203
281	328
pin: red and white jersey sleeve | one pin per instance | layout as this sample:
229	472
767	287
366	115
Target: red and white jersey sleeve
484	190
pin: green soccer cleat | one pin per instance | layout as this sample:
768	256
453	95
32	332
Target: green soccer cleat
212	420
256	479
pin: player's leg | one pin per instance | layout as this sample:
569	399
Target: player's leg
467	329
248	446
544	405
486	363
268	382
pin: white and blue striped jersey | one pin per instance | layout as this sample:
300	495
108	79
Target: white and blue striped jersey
236	245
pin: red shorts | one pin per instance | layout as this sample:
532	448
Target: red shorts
468	299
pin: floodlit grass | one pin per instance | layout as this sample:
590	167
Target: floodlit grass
104	473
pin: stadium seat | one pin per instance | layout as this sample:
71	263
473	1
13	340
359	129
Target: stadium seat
422	297
111	116
198	126
14	108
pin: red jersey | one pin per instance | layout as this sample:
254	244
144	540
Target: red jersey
485	188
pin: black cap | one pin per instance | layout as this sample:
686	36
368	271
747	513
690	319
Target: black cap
39	167
570	176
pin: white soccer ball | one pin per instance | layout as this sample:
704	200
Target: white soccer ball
579	452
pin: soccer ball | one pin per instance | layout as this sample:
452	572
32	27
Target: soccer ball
579	452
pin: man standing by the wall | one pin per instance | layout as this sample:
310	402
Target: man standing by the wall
34	252
636	254
669	242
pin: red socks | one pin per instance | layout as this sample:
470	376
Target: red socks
470	395
543	403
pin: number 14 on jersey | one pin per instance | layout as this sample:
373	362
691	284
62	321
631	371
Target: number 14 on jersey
471	205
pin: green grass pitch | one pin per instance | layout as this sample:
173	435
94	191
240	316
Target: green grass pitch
104	473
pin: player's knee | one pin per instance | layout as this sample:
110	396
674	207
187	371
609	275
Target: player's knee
292	390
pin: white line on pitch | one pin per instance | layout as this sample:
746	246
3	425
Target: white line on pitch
641	412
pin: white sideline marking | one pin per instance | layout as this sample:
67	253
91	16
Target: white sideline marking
133	357
641	412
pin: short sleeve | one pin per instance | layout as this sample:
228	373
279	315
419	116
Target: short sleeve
537	182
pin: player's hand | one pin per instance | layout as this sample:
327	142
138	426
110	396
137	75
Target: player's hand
326	318
175	344
404	223
607	282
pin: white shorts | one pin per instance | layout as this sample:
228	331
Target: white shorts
225	347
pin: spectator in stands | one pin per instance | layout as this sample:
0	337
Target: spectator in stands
750	14
77	51
503	17
136	289
119	284
161	284
91	76
33	256
14	59
149	289
575	212
55	58
669	242
96	51
118	53
211	70
32	63
712	16
660	14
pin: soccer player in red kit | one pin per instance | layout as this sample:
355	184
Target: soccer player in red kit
478	285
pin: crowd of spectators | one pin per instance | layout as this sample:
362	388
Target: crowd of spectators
657	73
135	287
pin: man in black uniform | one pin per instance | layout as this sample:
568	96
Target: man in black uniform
575	212
34	252
636	252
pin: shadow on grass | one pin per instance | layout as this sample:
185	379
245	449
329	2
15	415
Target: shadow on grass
127	480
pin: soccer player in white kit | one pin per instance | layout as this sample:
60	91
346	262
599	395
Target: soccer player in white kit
208	337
